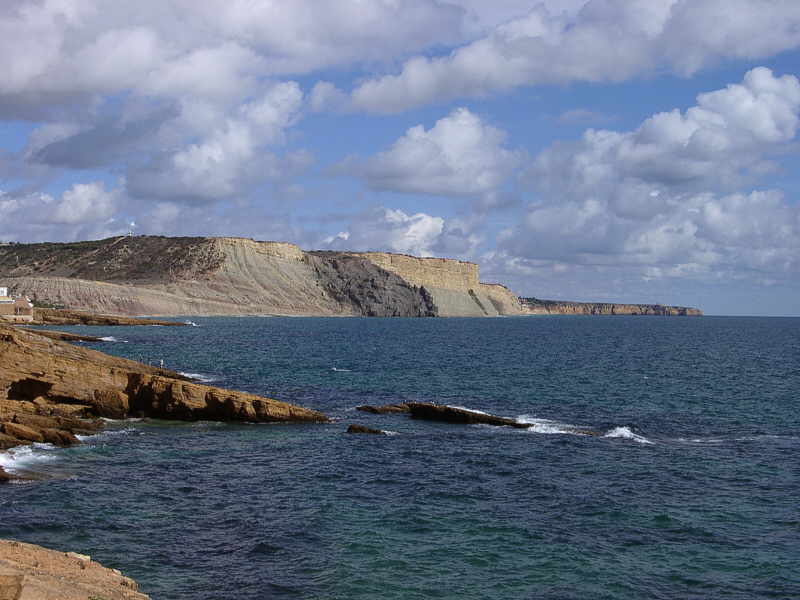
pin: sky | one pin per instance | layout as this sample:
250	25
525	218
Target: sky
593	150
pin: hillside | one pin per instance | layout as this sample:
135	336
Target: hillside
157	275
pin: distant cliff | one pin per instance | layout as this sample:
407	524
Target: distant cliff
535	306
157	275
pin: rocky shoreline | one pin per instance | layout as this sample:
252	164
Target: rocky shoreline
51	391
30	572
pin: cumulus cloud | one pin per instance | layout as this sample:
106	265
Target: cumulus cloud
660	198
459	156
389	229
606	40
84	211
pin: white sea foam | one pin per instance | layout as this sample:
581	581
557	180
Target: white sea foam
547	426
190	323
341	370
472	410
199	377
109	338
625	432
23	458
105	433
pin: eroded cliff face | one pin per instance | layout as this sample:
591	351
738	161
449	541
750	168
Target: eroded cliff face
236	276
150	275
535	306
454	285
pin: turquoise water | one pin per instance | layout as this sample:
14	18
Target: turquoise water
690	491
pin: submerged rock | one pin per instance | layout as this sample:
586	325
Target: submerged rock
450	414
363	429
32	572
385	409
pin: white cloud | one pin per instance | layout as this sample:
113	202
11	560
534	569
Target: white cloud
607	40
84	211
231	157
459	156
661	199
389	229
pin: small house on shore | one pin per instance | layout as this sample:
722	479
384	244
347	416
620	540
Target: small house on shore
18	310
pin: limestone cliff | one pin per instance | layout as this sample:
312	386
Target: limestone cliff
535	306
155	275
454	285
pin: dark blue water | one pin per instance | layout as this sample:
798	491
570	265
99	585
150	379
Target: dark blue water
691	491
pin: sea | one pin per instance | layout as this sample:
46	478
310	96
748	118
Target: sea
689	490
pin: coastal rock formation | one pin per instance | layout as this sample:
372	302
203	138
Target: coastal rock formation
57	316
385	409
29	572
363	429
535	306
451	414
49	388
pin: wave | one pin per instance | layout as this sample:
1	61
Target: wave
626	433
199	377
550	427
24	458
472	410
105	433
111	338
341	370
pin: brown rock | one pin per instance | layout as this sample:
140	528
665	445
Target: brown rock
7	441
385	409
449	414
59	437
29	572
48	384
363	429
22	432
110	403
4	478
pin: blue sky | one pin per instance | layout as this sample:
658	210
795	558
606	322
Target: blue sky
604	150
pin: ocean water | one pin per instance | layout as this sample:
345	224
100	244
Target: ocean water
691	490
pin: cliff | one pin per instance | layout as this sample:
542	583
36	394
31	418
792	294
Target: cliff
236	276
453	285
535	306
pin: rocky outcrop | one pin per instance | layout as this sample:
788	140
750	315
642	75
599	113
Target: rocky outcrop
535	306
29	572
402	407
363	429
50	391
451	414
56	316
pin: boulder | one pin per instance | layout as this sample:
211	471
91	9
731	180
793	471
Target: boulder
22	432
363	429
